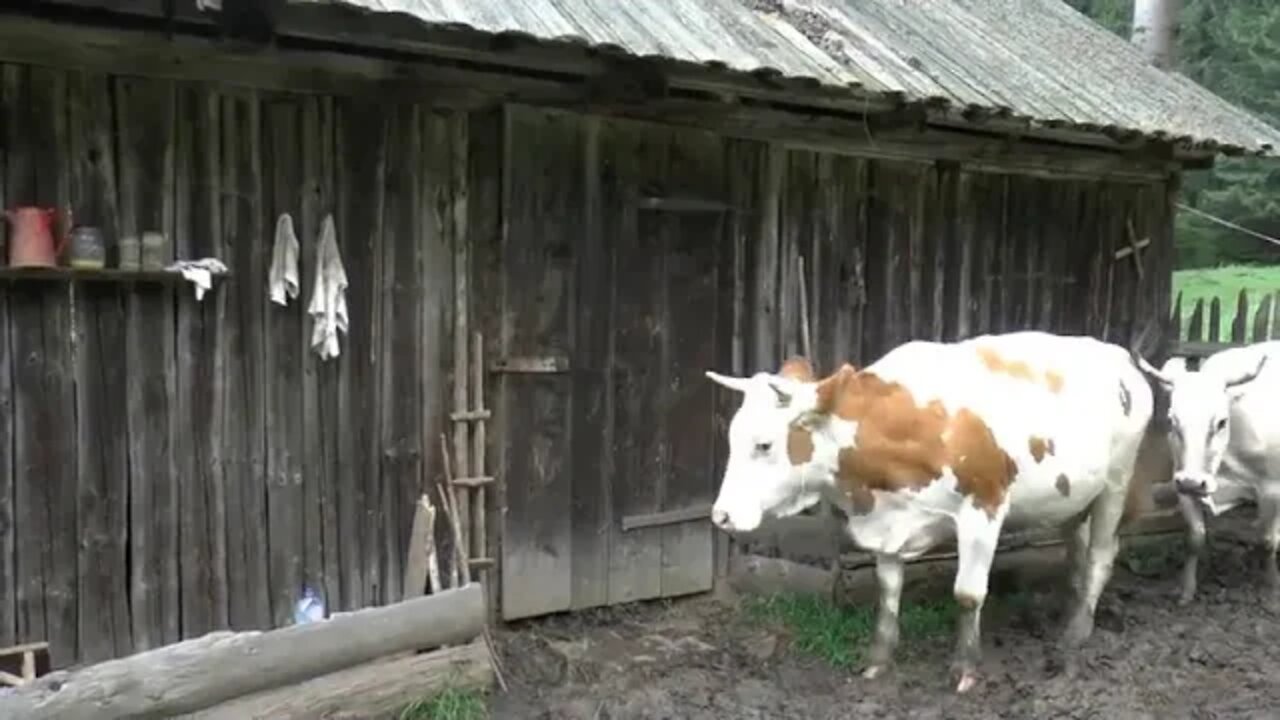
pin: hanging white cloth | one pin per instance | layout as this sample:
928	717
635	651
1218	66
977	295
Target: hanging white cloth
283	277
199	273
328	307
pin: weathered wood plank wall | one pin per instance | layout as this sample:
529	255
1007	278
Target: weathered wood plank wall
646	254
169	467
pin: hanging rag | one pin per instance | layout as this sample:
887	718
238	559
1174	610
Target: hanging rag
199	273
328	307
283	276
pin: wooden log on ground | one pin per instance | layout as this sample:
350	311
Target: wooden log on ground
195	674
377	689
759	575
1026	554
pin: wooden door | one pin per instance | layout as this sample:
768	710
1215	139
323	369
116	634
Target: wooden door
612	307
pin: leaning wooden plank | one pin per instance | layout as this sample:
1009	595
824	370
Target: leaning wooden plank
197	674
373	690
421	548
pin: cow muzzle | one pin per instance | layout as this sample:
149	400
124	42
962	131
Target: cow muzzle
1193	485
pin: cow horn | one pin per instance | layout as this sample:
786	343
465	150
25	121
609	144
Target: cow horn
784	397
1146	367
1248	375
733	383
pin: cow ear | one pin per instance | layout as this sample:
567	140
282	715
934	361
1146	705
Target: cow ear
782	392
1239	384
740	384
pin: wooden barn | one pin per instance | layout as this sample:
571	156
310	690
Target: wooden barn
553	216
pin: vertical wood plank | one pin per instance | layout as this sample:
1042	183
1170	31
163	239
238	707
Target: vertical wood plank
320	387
30	472
402	378
1176	318
1240	322
1261	319
1275	317
484	228
968	247
843	274
9	102
436	208
543	197
1215	319
689	280
639	153
101	388
795	230
1195	327
362	157
592	431
282	166
50	440
245	252
947	267
766	263
145	118
198	414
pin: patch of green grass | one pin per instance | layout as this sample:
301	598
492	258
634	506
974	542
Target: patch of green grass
1224	283
840	635
449	704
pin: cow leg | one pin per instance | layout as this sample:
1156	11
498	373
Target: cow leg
1076	536
1104	520
1269	522
889	572
977	535
1193	514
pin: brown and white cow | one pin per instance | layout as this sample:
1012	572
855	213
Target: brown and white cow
936	441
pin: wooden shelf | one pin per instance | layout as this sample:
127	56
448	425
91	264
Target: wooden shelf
109	275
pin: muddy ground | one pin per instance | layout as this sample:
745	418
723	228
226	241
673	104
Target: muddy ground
708	658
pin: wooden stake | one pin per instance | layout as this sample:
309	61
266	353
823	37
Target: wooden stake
422	562
461	565
479	536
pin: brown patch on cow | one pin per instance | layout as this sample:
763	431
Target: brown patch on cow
1063	485
797	368
1020	370
1040	447
799	446
901	445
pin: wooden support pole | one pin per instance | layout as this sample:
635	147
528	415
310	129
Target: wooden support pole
479	529
196	674
377	689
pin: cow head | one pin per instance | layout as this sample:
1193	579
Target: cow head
1199	421
760	477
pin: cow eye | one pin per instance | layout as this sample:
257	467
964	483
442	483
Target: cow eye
762	448
1221	424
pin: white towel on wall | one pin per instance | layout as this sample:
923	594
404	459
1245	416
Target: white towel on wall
328	307
283	277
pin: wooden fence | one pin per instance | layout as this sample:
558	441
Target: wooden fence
1205	337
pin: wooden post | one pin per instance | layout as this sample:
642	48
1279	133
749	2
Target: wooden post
461	335
479	415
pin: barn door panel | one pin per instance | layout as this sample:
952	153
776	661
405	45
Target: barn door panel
543	200
668	335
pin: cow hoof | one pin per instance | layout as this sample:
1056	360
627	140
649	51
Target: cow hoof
1185	597
873	671
966	683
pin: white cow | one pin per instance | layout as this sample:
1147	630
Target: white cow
1224	434
937	441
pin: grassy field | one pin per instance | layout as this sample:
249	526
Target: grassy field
1224	283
